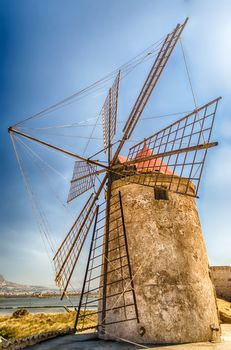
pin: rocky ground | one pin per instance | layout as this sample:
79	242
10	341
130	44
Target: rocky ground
224	308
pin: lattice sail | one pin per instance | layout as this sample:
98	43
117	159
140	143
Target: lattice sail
153	77
109	113
68	253
179	150
120	293
82	180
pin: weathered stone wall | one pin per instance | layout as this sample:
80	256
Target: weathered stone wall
221	277
175	295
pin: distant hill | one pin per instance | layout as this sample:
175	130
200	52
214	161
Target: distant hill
7	284
12	288
1	278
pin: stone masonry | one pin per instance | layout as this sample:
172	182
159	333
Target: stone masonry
221	277
175	295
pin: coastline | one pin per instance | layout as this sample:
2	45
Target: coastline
35	304
35	295
41	295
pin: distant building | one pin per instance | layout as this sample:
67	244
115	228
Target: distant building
221	276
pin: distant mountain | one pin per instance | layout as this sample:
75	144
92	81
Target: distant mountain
1	278
7	284
12	288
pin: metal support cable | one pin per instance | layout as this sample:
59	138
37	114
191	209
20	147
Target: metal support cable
37	214
33	155
188	75
42	215
127	341
101	81
42	160
74	136
190	84
86	124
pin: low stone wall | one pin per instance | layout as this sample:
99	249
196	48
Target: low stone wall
221	277
22	343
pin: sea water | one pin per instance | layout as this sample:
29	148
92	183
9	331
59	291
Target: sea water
45	304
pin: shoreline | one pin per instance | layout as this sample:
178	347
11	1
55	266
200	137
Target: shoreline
2	297
33	295
35	304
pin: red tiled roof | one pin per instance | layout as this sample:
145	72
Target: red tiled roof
122	159
153	165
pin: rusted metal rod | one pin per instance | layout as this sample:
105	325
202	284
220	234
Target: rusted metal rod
87	268
91	206
170	153
15	131
91	174
195	111
150	83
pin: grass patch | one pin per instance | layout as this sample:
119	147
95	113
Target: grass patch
31	324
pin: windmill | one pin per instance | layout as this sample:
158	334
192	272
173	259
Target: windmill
170	163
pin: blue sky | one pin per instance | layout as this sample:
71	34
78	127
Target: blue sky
51	49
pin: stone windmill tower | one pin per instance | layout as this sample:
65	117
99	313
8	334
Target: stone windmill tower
147	267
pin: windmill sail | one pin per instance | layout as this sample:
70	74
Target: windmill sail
68	253
82	180
109	113
150	83
178	150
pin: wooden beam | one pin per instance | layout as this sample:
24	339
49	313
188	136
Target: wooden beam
15	131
